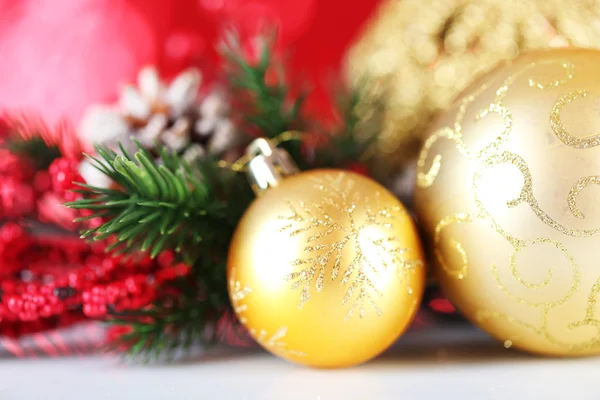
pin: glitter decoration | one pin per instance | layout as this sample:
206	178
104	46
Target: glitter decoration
274	341
417	55
460	218
579	186
327	254
559	129
530	256
334	262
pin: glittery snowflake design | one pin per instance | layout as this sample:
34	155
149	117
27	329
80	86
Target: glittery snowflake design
273	341
238	294
343	209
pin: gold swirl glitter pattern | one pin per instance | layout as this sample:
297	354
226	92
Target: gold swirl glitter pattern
458	218
561	132
357	275
569	70
577	188
426	178
493	155
515	273
543	332
527	195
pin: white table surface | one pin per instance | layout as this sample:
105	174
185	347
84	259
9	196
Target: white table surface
431	363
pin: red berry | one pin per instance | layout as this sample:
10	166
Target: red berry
360	169
165	258
113	292
28	316
8	286
88	310
29	306
46	290
182	269
38	300
64	171
74	280
17	199
94	310
42	181
71	196
15	304
166	274
13	240
11	166
46	311
98	290
108	264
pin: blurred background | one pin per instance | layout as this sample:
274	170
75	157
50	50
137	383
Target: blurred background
59	57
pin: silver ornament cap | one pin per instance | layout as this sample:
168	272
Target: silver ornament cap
267	165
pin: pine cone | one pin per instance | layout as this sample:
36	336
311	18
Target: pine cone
173	115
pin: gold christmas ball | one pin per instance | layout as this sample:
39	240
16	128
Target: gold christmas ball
507	193
416	56
326	269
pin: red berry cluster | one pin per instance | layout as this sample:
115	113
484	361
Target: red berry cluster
132	293
26	193
64	172
53	281
17	196
38	302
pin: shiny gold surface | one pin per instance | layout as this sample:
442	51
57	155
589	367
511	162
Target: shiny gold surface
417	55
507	192
326	269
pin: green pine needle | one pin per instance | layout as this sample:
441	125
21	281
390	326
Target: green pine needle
34	149
177	322
268	107
161	207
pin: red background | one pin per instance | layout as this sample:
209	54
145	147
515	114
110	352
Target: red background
58	56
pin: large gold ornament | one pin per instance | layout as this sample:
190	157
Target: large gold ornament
507	194
326	268
417	55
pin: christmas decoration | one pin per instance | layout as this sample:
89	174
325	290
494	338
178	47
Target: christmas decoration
505	194
174	116
34	160
418	55
325	267
49	277
160	201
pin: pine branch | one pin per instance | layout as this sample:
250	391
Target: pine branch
157	207
192	209
175	322
269	109
350	142
265	101
30	138
186	312
35	149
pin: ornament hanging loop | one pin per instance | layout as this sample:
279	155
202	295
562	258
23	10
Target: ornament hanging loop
268	165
